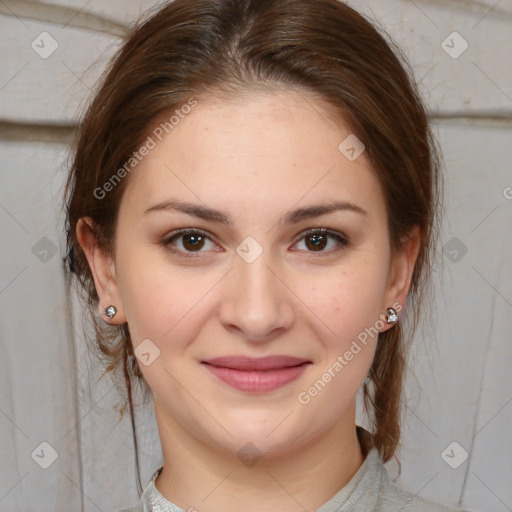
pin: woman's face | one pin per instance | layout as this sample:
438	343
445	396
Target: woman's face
248	282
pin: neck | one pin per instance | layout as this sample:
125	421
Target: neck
197	476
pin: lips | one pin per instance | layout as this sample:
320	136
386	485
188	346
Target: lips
258	364
259	375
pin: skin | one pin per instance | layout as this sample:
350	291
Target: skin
256	157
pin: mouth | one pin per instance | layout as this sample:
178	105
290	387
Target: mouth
256	375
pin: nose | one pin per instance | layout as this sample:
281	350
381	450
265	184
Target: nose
257	301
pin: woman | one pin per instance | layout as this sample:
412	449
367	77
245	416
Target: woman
252	210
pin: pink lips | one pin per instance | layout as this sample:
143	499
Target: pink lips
256	374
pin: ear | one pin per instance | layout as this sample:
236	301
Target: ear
400	271
103	271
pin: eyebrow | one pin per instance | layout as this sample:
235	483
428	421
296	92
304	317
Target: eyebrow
292	217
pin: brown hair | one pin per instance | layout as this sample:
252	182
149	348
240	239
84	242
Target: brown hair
187	49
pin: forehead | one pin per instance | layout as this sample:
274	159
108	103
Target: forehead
261	149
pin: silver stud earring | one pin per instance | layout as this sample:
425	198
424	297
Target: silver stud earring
111	311
391	316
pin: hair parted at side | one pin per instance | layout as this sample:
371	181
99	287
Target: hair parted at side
194	49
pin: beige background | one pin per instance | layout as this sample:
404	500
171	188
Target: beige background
461	390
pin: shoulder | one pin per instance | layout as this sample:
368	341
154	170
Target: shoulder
135	508
142	505
392	497
377	490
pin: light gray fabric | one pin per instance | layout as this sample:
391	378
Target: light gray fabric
370	489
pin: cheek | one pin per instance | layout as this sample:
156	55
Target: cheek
153	297
346	309
161	306
345	300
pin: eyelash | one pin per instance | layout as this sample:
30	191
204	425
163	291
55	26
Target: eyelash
342	240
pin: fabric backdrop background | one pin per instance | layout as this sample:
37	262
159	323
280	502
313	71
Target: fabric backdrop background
54	414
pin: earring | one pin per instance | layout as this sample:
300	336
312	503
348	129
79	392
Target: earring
391	316
111	311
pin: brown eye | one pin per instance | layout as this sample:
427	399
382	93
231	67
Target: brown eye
316	240
187	242
193	242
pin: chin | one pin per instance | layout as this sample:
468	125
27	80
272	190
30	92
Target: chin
254	446
271	434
